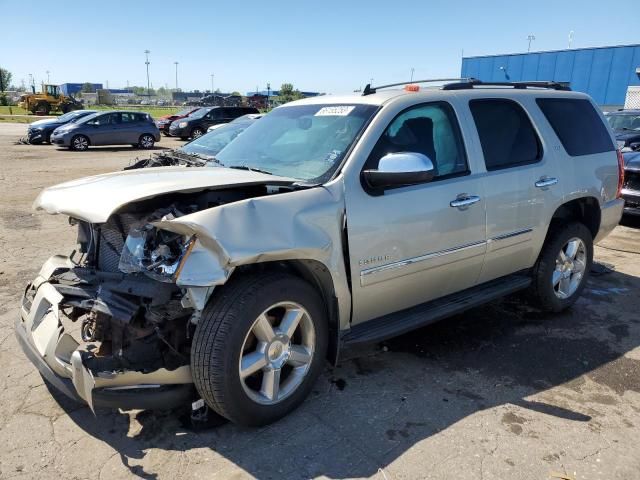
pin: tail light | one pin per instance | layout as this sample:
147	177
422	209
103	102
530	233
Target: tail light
620	173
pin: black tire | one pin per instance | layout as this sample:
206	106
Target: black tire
79	143
221	334
146	141
197	132
43	107
48	138
543	294
66	108
184	139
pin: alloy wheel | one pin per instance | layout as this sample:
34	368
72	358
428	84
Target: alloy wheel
146	141
569	272
277	353
80	143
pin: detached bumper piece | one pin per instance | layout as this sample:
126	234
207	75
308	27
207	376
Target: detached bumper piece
137	362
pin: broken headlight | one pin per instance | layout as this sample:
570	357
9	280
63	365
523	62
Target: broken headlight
157	253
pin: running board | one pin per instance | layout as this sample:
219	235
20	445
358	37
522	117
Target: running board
404	321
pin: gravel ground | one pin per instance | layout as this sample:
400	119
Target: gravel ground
499	392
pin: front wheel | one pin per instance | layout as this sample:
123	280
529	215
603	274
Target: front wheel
79	143
197	132
146	141
259	347
561	271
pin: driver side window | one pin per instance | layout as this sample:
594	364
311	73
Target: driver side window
431	129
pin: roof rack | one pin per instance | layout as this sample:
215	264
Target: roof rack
474	82
369	90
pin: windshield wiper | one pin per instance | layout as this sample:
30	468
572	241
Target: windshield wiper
250	169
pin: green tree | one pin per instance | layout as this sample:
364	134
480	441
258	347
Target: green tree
87	88
236	93
288	94
5	79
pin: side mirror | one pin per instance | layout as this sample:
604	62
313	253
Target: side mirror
400	169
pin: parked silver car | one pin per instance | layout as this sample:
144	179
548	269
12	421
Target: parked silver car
108	128
332	221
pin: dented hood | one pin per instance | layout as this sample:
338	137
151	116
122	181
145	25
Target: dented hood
95	198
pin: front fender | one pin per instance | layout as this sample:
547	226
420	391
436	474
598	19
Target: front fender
299	225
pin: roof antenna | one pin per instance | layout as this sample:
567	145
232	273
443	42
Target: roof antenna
368	90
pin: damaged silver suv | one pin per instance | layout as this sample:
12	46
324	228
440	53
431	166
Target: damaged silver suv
332	221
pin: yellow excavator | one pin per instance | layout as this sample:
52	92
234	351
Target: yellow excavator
50	99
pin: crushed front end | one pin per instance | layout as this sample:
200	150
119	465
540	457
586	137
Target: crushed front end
108	326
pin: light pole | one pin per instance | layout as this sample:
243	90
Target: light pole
212	75
570	38
412	70
47	76
268	95
147	52
530	38
176	64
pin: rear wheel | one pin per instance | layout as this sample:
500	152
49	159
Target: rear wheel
562	269
79	143
259	347
197	132
43	107
146	141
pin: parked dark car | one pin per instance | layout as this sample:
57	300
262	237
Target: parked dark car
108	128
163	123
626	126
197	123
201	151
40	131
631	186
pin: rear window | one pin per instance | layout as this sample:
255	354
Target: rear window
577	125
506	134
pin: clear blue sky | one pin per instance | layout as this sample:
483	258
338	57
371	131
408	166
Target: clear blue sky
324	45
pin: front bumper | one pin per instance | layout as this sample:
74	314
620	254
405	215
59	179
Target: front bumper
58	357
36	136
176	131
62	140
631	201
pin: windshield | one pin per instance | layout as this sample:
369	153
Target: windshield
624	122
184	112
86	118
70	116
214	141
199	113
305	142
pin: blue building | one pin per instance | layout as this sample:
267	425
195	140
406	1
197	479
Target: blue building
602	72
73	88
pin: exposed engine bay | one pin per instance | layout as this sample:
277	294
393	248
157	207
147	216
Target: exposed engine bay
121	286
171	158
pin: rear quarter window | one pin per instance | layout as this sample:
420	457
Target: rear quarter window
577	124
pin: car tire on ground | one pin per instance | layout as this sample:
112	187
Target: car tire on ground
197	132
184	138
146	141
79	143
562	269
259	347
48	138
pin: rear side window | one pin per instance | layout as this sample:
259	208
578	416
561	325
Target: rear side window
577	125
507	137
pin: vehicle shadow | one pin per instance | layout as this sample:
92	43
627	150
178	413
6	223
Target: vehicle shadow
382	400
631	221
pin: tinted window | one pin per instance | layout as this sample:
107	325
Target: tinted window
430	129
506	134
127	117
104	119
577	125
216	113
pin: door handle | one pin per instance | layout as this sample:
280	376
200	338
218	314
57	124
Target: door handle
545	182
463	201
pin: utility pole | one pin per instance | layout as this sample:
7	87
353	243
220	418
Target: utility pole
530	38
268	95
147	52
412	70
47	76
176	64
570	38
212	75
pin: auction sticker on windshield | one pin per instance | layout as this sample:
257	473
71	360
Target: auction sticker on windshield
335	111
